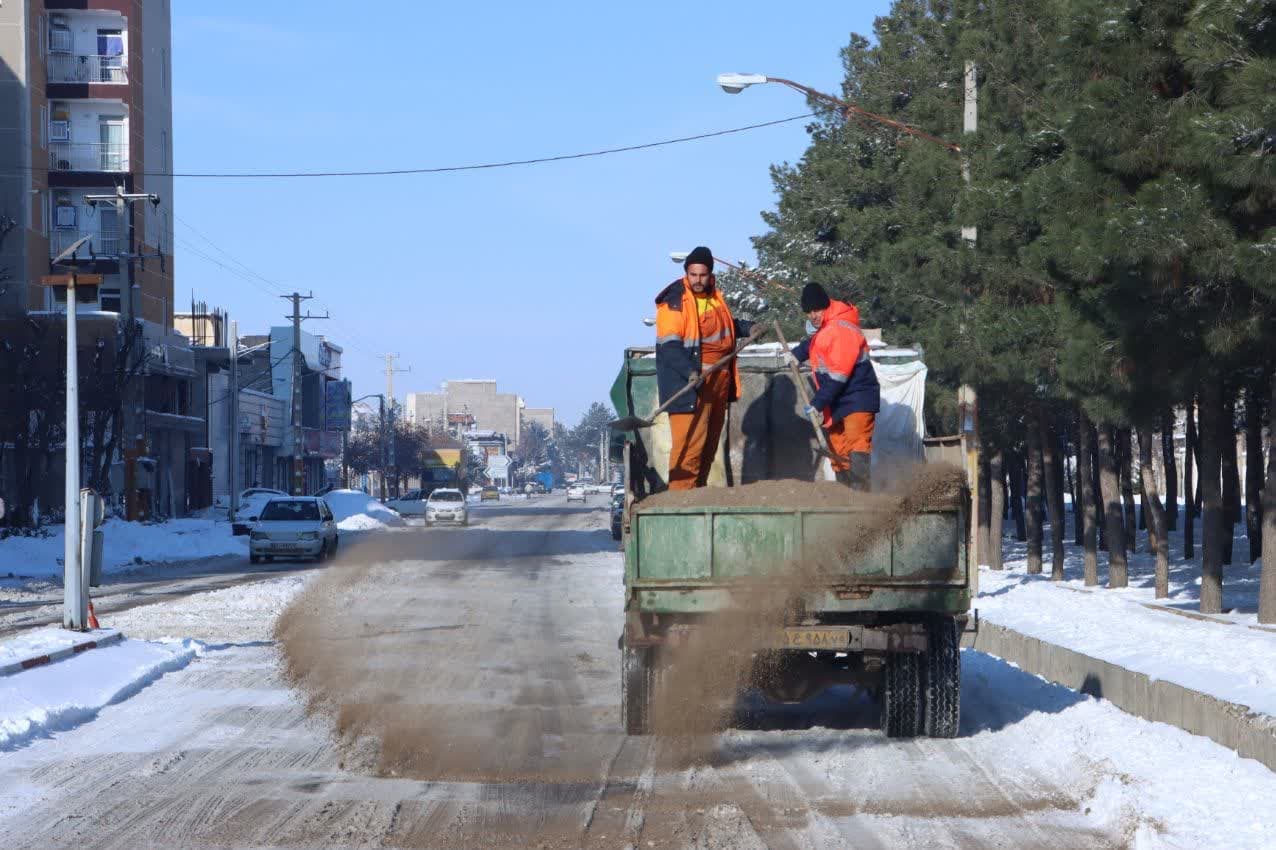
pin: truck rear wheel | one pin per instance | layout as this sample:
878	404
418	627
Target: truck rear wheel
902	696
943	679
637	684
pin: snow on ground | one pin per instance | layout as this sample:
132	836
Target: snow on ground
244	614
1226	656
125	545
355	510
39	702
39	642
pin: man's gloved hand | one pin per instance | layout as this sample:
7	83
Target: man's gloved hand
809	411
693	377
788	359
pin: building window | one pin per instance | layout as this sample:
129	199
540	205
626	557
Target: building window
64	216
109	300
60	40
110	50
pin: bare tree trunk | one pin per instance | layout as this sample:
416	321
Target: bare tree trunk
1125	452
1171	472
1189	503
1267	582
1036	485
1155	514
1109	469
1254	469
1213	517
1075	487
1016	470
997	512
1231	475
1054	495
1089	519
985	508
1096	490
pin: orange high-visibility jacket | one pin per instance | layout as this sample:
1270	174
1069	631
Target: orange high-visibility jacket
678	341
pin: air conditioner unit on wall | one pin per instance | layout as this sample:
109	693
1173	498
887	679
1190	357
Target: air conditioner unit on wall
59	131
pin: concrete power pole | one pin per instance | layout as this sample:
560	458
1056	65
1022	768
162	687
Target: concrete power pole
390	371
970	422
234	470
298	487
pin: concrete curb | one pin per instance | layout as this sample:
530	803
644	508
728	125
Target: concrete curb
1251	734
61	654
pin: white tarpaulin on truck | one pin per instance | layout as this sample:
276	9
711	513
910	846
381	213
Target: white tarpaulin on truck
900	428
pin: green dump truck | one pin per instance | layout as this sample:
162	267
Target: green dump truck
890	620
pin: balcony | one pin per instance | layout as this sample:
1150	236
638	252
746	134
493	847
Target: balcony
104	243
109	157
77	68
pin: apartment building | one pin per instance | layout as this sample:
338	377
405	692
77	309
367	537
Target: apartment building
478	404
86	110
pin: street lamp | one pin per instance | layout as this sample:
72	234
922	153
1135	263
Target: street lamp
380	433
75	603
734	83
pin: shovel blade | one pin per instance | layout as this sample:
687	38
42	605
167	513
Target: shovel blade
628	423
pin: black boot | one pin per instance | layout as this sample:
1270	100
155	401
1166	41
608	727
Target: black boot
861	474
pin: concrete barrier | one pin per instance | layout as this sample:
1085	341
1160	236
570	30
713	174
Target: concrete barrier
1250	733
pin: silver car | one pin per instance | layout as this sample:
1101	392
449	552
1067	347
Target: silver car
293	527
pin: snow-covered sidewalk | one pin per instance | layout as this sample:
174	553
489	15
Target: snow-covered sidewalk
1229	656
125	545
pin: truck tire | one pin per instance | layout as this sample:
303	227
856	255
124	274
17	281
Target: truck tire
943	678
902	695
637	684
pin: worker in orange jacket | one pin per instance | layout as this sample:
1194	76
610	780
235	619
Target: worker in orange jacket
694	330
847	393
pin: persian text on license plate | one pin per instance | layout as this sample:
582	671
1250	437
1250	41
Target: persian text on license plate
805	638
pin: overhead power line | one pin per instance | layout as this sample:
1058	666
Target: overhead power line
510	163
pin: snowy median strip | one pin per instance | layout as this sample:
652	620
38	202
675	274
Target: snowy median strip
45	646
53	698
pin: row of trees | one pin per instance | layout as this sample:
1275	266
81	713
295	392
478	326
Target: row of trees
1122	183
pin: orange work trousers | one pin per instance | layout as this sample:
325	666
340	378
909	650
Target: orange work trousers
850	435
696	434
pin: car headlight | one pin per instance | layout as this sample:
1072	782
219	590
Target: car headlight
308	535
258	535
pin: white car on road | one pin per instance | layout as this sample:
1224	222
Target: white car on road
576	493
293	527
446	505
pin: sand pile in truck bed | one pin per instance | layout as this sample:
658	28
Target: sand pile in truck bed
930	486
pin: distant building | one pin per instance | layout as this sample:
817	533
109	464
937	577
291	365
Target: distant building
475	404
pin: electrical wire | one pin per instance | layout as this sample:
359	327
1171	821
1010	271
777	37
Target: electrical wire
445	169
260	374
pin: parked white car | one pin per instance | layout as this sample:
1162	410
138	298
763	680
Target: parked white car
411	503
446	505
576	493
251	501
293	527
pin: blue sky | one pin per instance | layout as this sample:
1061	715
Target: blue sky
538	275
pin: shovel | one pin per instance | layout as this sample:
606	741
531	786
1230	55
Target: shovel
805	395
631	423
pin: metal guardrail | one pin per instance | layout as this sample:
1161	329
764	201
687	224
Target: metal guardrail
104	243
88	156
79	68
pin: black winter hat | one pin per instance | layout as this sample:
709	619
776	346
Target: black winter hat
814	298
701	255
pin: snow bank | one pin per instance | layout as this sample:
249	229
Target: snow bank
39	702
241	614
355	510
1221	656
125	544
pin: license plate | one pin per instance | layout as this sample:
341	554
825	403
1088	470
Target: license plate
287	546
804	638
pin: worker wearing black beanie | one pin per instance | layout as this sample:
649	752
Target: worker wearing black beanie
847	396
700	256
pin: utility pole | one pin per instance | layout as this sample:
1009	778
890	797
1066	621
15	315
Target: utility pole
233	449
392	460
298	362
969	402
